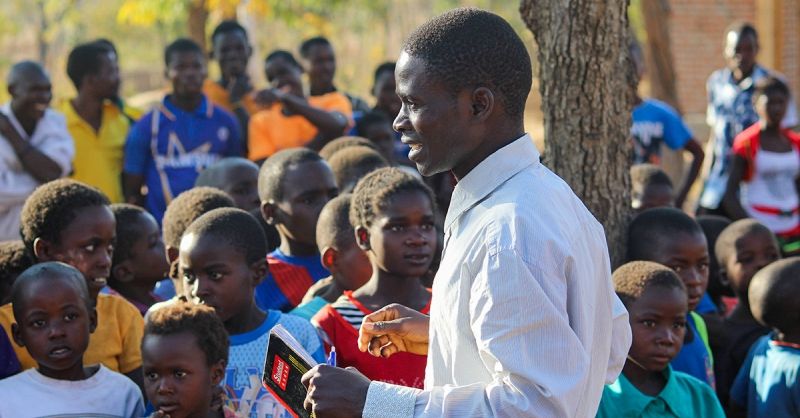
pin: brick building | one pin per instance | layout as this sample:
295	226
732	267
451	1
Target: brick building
697	28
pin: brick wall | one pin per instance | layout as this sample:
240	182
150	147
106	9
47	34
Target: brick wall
696	28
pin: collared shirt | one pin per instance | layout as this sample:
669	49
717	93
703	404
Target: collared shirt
524	320
98	154
52	139
730	111
682	397
170	146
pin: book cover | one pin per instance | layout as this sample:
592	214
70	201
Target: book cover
286	363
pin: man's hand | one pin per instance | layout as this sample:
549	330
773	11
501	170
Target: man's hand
394	329
335	392
238	87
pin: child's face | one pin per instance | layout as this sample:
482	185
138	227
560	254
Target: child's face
385	96
87	244
284	75
307	188
241	183
217	275
352	268
754	251
54	326
147	260
382	135
652	196
658	324
771	107
687	255
402	238
177	379
187	71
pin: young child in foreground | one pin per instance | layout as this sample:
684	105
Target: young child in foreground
68	221
139	261
349	266
767	384
648	386
184	355
294	185
393	216
671	238
222	259
54	316
743	248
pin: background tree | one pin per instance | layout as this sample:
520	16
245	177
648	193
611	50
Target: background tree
586	83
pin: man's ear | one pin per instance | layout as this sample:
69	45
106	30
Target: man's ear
260	270
269	212
16	334
483	102
122	272
328	257
92	320
362	238
172	254
218	372
43	250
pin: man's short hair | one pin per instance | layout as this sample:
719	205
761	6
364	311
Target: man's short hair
305	47
188	206
228	26
649	229
181	45
85	59
773	295
351	164
51	270
725	246
343	142
632	279
284	55
386	67
771	84
468	47
742	29
644	175
333	227
273	172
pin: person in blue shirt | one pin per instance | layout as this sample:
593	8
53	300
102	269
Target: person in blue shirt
730	110
168	147
768	384
656	123
648	387
670	237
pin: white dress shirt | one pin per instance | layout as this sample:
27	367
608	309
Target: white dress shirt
53	140
524	319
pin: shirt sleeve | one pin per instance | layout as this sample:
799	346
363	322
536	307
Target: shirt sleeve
676	134
711	114
137	146
547	382
131	332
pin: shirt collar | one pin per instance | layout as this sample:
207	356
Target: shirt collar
487	176
169	110
758	73
672	394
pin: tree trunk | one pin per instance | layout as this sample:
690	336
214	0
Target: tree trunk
198	15
587	85
662	75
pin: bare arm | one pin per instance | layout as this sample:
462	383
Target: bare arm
330	124
132	188
730	200
35	162
694	148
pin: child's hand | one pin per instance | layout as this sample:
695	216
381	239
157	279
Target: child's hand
394	329
217	398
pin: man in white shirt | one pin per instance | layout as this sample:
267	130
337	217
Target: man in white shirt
35	146
524	321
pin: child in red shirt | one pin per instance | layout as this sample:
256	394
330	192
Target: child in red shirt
392	213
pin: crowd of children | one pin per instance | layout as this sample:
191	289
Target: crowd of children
245	208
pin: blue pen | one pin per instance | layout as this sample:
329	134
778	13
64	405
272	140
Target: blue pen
332	357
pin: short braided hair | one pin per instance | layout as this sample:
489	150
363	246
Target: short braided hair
374	192
632	279
198	320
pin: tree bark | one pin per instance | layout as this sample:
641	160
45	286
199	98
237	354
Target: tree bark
587	87
198	15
